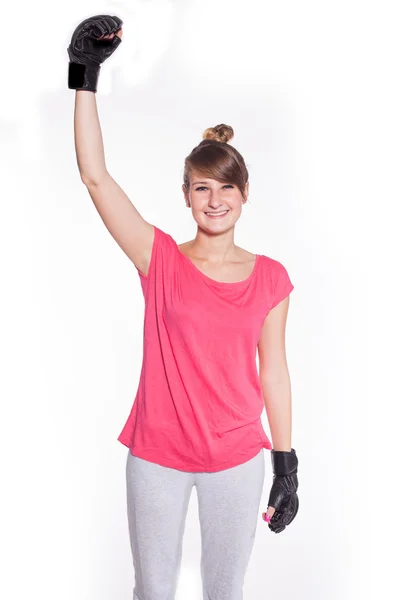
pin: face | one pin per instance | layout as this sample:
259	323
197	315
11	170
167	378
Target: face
208	197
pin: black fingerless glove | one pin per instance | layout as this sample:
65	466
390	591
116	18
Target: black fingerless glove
283	496
86	52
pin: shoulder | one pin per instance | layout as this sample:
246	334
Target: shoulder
162	238
163	249
269	263
272	265
275	273
276	279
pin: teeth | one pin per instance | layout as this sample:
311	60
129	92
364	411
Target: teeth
220	213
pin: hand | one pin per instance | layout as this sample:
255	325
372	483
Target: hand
283	502
92	42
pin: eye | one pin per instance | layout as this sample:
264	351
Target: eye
202	187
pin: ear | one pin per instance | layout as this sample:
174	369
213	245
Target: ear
246	191
186	195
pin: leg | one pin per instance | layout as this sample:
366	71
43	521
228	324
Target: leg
157	503
229	502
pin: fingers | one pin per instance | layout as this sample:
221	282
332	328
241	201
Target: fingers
109	36
268	515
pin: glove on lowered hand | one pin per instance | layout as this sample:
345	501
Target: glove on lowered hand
86	52
283	496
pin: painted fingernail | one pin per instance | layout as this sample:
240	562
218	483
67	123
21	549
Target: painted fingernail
266	517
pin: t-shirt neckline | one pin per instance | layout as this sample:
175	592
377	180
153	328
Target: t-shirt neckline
214	281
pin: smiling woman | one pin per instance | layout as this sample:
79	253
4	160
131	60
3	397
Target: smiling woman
196	416
215	187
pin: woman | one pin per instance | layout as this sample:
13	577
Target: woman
209	305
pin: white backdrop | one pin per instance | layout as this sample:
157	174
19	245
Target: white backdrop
312	91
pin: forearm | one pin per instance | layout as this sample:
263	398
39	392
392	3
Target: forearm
278	405
88	138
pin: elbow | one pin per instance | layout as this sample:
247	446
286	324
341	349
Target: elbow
92	181
276	377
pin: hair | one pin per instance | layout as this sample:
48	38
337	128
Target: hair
215	158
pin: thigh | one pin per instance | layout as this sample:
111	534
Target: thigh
157	503
229	503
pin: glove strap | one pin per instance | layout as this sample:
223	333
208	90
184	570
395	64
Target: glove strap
83	77
284	463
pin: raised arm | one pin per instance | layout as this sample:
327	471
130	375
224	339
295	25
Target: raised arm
130	230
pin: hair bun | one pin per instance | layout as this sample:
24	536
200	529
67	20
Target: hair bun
220	133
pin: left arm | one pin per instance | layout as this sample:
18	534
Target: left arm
274	376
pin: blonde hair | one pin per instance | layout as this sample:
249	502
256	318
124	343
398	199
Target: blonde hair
220	133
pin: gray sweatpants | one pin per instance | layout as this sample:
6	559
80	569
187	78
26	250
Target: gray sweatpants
157	502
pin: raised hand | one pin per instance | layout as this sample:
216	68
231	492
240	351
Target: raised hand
92	42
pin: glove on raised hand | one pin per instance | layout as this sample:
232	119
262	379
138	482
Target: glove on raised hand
86	52
283	496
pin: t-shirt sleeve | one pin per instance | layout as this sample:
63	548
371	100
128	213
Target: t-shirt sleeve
281	285
162	260
156	243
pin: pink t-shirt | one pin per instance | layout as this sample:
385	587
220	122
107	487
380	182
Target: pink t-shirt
199	401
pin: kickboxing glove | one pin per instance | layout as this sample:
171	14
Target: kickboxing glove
283	496
86	52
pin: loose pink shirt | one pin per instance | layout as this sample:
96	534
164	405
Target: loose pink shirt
199	400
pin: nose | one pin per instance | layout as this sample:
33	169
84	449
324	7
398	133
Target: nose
213	201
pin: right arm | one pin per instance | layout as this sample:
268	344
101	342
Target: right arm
132	233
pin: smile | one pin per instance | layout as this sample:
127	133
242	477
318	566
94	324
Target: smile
217	215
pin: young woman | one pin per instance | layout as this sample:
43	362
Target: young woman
209	305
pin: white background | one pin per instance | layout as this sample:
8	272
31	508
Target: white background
312	91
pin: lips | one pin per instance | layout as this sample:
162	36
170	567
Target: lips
218	215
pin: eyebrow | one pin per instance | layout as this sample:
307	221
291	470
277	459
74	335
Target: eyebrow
197	182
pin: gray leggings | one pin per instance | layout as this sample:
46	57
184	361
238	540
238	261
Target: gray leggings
157	502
